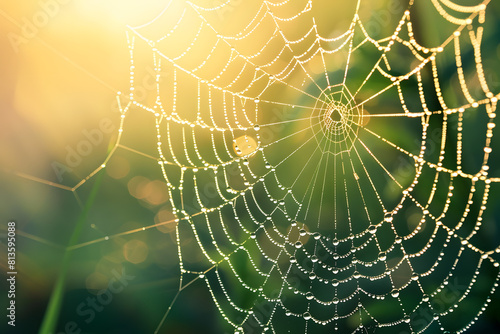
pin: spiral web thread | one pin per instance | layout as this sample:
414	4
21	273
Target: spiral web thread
276	172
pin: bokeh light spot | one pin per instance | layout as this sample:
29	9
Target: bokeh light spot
135	251
245	146
165	221
118	167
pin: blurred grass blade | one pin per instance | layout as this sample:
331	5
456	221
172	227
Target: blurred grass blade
53	309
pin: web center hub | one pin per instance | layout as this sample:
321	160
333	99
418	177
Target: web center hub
335	120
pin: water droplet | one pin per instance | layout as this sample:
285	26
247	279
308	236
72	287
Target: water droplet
298	244
302	232
309	295
306	315
382	256
335	282
312	275
335	300
314	258
395	293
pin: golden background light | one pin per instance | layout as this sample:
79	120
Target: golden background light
62	67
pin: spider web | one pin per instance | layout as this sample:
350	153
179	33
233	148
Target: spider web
316	167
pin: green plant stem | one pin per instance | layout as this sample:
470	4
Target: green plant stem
54	307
